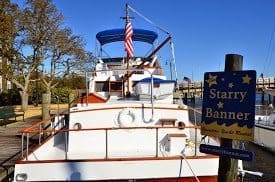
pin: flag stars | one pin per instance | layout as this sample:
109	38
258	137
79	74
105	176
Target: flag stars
230	85
220	105
246	79
212	80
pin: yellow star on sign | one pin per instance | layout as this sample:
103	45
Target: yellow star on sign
212	80
246	79
220	105
230	85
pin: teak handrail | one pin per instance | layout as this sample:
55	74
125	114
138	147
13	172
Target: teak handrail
29	130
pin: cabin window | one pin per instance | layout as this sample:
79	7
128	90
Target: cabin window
115	86
139	72
102	87
134	83
156	85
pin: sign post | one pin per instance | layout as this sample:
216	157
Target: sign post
228	112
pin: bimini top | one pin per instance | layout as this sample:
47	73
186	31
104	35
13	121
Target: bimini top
115	35
155	80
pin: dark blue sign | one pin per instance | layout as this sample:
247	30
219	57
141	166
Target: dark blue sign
227	152
229	104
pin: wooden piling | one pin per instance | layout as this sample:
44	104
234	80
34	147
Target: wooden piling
262	98
228	167
46	106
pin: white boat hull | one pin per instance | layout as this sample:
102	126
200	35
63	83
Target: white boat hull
264	136
117	170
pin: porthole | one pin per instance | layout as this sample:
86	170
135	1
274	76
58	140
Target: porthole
77	126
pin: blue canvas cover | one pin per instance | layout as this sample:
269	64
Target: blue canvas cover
115	35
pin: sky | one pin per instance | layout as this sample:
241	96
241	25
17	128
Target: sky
203	31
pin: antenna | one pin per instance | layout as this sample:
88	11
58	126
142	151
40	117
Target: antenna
127	18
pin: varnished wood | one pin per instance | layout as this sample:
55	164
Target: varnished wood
113	108
34	130
176	135
164	121
118	159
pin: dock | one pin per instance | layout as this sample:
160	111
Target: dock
10	143
191	90
10	139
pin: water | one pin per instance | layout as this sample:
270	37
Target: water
264	161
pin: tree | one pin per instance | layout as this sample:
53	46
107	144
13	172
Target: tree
66	53
9	14
40	20
34	36
62	47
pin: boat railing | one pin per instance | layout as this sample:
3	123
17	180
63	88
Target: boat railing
194	115
263	113
127	71
264	110
62	128
53	123
195	118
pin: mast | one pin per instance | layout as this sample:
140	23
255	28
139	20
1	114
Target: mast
127	19
128	56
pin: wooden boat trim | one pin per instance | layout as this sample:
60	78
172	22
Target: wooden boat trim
41	122
115	108
118	159
28	130
265	127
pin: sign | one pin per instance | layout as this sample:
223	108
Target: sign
228	108
227	152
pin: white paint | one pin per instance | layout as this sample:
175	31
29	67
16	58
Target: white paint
264	137
106	139
264	131
117	170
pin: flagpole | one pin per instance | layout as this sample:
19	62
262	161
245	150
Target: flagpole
128	56
128	47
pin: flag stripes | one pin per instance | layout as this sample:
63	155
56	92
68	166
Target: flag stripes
128	43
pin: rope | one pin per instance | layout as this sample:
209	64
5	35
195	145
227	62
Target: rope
180	170
147	20
256	173
174	60
269	51
162	29
195	176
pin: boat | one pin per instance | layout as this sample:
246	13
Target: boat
269	91
264	130
126	127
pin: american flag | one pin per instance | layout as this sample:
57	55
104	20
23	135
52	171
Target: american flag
128	43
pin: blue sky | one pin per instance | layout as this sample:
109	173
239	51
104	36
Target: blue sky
203	31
